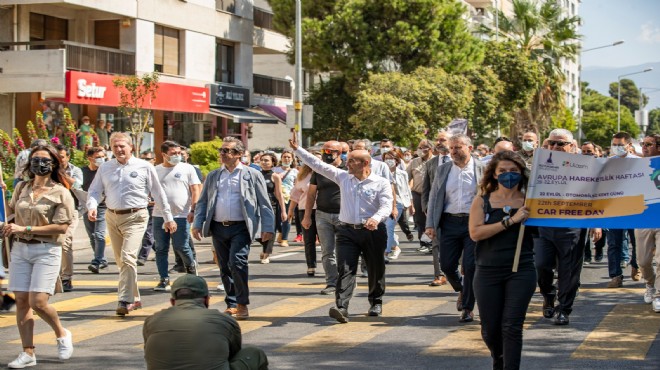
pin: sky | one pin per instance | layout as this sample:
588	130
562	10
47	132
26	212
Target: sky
606	21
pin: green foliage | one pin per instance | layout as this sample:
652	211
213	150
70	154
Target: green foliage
78	158
654	122
629	94
599	127
486	109
405	107
333	106
205	154
284	13
135	97
564	119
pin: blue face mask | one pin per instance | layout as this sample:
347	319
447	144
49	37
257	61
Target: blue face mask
344	157
509	179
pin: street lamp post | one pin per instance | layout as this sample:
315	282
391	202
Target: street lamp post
618	94
580	86
297	104
642	105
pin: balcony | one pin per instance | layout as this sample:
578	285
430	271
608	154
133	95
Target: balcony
271	86
83	57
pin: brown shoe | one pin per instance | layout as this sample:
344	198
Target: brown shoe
616	282
635	274
439	281
284	243
242	312
231	311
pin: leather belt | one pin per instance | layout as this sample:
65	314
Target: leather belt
230	223
352	226
459	215
31	241
125	211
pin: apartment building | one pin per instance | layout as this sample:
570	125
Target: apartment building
65	53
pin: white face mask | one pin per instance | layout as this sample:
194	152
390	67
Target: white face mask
390	162
174	160
99	161
384	150
244	159
619	151
286	164
528	146
407	158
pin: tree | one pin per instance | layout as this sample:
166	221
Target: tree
629	94
333	106
136	95
654	122
488	108
599	120
284	13
370	36
406	107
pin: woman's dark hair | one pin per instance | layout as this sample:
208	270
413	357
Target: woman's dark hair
393	154
489	182
272	156
58	174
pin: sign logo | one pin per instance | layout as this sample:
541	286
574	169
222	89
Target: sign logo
90	90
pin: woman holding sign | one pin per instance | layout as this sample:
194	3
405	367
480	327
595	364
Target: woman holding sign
502	295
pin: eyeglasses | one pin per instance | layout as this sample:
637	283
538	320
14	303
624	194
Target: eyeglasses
558	143
329	151
228	150
648	145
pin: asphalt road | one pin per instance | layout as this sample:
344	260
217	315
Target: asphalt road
610	328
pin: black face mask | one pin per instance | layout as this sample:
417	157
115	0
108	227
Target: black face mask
328	158
41	166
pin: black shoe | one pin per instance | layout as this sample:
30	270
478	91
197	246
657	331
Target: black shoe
410	237
7	303
599	258
192	269
466	316
328	290
141	261
339	314
67	286
459	302
122	308
561	318
548	306
93	268
178	268
376	310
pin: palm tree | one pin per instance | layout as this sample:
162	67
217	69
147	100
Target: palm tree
548	36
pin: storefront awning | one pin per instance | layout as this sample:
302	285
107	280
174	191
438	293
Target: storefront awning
242	116
275	111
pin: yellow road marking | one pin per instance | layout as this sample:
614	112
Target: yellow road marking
626	333
466	341
75	304
279	310
340	337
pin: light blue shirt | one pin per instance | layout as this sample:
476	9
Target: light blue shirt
360	199
228	203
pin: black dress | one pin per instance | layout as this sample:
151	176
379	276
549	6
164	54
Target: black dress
270	189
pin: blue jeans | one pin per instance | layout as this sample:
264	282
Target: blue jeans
286	225
390	224
617	243
96	233
179	243
232	247
326	226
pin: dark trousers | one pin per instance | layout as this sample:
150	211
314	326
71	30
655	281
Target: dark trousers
371	245
633	251
178	261
267	246
559	246
309	237
616	241
403	222
232	247
503	297
586	241
454	241
419	217
298	221
148	238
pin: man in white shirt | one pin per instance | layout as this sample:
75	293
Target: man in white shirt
182	187
366	201
126	183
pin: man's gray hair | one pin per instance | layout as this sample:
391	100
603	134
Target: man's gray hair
562	132
366	142
121	136
239	144
461	137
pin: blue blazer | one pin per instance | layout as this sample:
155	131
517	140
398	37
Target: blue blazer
257	211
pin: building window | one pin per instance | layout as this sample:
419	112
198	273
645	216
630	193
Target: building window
263	19
166	50
226	5
224	62
46	28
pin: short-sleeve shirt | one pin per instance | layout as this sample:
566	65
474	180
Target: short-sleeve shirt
176	182
54	207
328	198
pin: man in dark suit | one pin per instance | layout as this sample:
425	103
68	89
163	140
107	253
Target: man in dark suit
454	187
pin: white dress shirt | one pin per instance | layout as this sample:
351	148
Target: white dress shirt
127	186
381	169
461	188
360	199
228	202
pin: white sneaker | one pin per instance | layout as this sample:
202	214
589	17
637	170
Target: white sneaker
65	346
221	287
648	294
23	360
656	305
395	253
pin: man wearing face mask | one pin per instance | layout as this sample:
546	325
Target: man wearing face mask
618	250
182	187
529	142
95	229
345	148
416	170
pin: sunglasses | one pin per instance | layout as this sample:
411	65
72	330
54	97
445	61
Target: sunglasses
558	143
228	151
648	145
507	211
329	151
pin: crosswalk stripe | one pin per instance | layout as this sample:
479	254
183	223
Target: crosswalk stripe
466	341
625	333
285	308
96	328
75	304
340	337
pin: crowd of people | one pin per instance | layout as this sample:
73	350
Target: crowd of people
467	203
